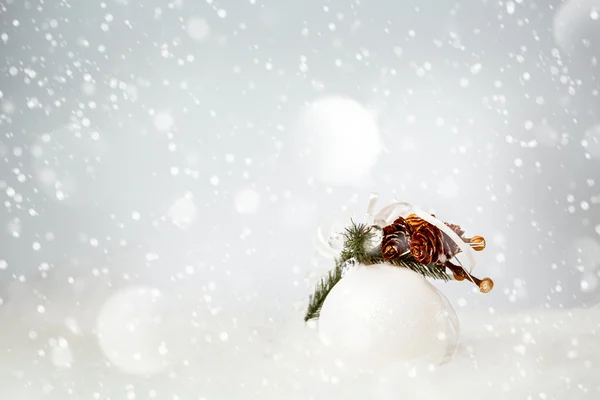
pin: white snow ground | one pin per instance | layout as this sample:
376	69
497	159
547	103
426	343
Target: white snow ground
535	354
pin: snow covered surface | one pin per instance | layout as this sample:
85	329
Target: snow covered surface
534	353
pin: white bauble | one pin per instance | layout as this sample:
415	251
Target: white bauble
387	313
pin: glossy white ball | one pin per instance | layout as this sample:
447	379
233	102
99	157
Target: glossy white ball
388	313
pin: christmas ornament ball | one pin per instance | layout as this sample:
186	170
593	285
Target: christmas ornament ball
388	313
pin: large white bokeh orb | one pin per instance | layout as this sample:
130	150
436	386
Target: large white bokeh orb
577	25
343	140
390	314
132	332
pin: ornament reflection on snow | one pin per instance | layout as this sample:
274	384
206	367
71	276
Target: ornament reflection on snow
376	302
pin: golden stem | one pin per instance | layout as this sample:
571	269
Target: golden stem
485	284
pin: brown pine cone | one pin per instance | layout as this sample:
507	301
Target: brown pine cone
446	245
394	245
427	244
451	248
388	230
401	225
456	228
415	222
395	240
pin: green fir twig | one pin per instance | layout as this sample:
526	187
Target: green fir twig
322	290
356	236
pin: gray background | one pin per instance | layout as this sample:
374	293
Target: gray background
488	112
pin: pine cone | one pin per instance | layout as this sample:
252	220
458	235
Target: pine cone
388	230
402	225
456	228
396	238
394	245
446	246
427	244
451	248
415	222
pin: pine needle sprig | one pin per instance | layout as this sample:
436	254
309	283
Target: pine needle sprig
356	236
322	290
434	271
